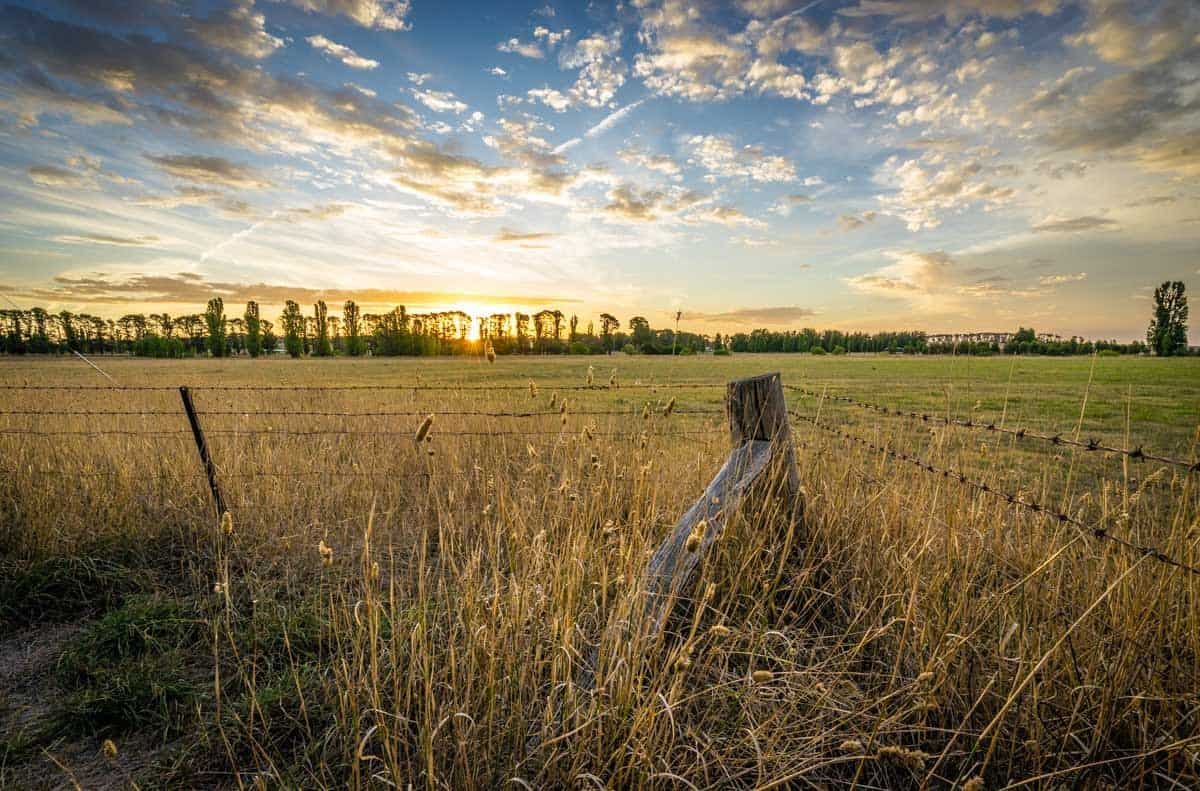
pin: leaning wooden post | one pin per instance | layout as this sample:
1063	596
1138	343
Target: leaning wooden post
202	447
763	460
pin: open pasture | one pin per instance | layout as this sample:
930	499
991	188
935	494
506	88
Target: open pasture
380	612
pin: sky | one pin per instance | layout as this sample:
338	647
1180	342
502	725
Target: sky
852	164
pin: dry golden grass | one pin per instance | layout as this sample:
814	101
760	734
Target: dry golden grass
382	612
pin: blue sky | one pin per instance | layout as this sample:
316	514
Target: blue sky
972	164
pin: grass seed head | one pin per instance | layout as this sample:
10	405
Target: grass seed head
109	748
913	759
532	389
720	630
326	553
423	429
227	523
669	408
974	784
762	676
851	746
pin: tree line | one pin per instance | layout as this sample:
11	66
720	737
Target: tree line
811	341
354	333
398	332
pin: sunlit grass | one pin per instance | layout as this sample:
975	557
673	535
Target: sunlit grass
455	609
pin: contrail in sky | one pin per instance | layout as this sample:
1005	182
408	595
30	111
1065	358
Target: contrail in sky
609	121
242	234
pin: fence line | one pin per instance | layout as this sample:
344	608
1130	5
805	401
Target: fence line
381	387
381	413
246	474
1011	499
345	432
1137	454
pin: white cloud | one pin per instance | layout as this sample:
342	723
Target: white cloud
719	156
1057	280
342	53
931	186
554	99
527	49
381	14
601	71
440	101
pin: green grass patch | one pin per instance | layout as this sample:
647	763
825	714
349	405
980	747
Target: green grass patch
135	668
61	588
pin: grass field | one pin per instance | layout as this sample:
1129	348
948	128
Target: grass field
380	612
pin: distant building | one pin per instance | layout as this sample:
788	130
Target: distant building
954	338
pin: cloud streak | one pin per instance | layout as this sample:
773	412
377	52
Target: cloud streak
608	122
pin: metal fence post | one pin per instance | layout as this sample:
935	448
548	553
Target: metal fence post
202	448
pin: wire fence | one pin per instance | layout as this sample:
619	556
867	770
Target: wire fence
637	385
1091	444
653	421
1032	506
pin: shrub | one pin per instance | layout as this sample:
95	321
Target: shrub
819	350
723	352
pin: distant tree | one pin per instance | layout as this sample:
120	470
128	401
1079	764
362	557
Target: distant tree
643	336
254	343
574	328
293	329
321	345
214	319
521	325
269	340
1167	334
543	323
353	324
165	326
608	323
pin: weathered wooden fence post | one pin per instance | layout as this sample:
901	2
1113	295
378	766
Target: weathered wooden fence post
202	448
763	460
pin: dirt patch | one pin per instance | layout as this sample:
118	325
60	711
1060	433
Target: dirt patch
32	754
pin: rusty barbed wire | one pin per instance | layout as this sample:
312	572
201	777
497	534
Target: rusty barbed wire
381	387
326	413
1137	454
571	431
1012	499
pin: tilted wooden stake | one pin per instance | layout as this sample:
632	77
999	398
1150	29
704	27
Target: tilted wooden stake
763	457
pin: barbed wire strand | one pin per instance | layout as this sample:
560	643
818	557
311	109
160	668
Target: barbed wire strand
345	432
1011	499
1138	453
380	387
324	413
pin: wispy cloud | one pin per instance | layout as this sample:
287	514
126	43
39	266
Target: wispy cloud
608	122
342	53
788	314
1073	224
